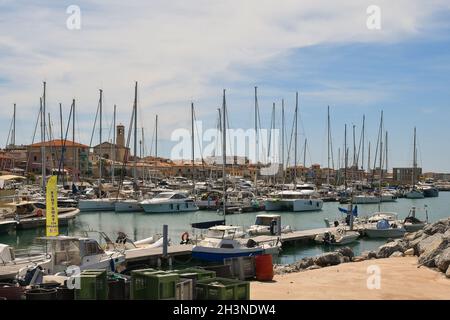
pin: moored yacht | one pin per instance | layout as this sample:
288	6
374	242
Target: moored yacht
296	201
169	202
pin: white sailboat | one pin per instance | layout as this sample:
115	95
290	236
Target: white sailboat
302	198
414	193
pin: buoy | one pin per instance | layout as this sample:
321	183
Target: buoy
264	267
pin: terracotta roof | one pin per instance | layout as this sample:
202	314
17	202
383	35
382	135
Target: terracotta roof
59	143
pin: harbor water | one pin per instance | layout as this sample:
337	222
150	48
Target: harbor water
140	225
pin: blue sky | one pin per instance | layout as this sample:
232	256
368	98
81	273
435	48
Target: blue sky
190	51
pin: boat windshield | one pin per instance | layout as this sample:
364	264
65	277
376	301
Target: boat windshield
163	196
66	252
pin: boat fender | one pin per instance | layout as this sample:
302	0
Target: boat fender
185	238
39	213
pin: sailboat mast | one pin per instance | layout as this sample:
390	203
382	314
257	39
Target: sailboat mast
13	140
135	136
192	147
100	137
304	160
381	150
345	156
386	152
414	160
295	140
282	135
75	170
43	126
224	151
328	146
354	147
363	141
256	140
114	147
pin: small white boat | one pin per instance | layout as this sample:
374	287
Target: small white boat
337	237
63	253
166	202
384	228
411	223
220	244
366	199
296	201
414	194
268	224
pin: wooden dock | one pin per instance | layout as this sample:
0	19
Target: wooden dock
153	254
290	237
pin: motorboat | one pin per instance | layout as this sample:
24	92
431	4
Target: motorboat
383	225
366	199
61	255
287	200
32	214
268	224
413	224
414	193
221	244
166	202
337	237
388	197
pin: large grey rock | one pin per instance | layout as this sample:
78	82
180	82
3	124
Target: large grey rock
313	267
409	252
346	252
396	254
437	227
367	255
328	259
389	248
430	248
304	263
442	261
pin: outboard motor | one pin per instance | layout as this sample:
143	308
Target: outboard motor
33	275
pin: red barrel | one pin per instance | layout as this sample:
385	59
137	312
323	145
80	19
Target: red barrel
264	267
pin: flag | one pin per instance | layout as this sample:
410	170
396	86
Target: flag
355	211
51	209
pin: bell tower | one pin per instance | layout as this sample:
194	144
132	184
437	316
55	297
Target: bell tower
120	136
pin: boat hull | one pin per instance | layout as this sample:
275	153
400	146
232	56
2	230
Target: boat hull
96	205
296	205
169	207
128	206
366	200
385	233
415	195
217	255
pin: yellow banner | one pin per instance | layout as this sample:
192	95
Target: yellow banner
52	208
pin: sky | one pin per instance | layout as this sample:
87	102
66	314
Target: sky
189	51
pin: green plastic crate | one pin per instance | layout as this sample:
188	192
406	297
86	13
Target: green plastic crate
222	289
93	285
155	285
201	273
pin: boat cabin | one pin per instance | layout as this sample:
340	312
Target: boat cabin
269	220
225	232
75	251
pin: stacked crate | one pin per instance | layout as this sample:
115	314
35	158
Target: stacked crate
93	285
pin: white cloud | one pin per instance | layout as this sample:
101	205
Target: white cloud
177	50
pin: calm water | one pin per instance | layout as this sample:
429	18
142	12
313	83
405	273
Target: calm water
140	225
